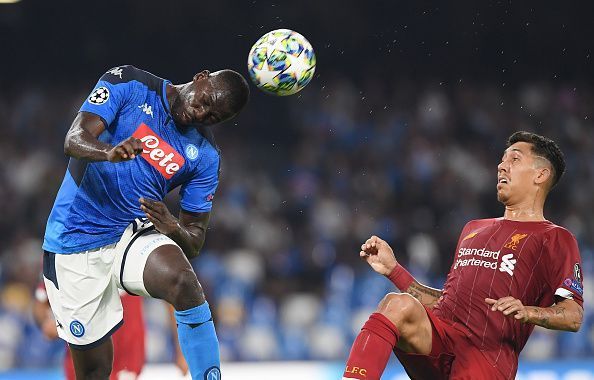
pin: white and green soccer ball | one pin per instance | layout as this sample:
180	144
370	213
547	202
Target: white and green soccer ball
281	62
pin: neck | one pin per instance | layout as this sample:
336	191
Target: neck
530	210
172	92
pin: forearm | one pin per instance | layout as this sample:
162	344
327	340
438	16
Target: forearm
556	317
427	295
404	281
80	143
189	240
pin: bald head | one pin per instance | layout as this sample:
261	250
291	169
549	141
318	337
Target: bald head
232	91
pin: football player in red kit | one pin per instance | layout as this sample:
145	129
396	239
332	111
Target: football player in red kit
508	275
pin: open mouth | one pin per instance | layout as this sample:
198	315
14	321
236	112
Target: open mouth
502	180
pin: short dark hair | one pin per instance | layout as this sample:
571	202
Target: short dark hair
237	91
544	147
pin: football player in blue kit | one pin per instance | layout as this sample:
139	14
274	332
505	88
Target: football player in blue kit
135	138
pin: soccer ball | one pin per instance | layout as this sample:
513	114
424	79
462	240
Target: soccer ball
281	62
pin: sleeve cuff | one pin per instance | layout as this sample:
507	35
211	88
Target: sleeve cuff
401	278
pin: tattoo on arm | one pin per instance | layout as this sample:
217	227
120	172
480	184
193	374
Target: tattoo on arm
426	295
557	317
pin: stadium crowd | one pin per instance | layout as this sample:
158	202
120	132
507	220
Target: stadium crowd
411	162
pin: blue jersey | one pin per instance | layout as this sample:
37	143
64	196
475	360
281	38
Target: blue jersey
97	200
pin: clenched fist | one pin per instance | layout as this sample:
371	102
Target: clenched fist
126	150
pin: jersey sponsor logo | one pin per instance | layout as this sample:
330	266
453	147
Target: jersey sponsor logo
577	272
209	197
213	373
192	152
116	71
470	236
99	96
508	264
146	109
514	241
160	155
77	329
483	252
467	257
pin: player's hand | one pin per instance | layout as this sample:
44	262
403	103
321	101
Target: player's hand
159	215
379	255
510	307
126	150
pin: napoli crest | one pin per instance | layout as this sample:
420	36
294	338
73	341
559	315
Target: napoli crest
213	373
77	329
191	152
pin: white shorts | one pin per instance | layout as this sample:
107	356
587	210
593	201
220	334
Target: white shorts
83	288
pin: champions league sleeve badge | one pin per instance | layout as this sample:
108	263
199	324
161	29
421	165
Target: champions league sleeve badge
99	96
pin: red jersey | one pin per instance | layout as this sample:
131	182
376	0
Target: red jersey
495	258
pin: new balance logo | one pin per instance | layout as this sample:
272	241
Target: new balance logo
508	263
146	109
116	71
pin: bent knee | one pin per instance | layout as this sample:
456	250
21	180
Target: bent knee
400	307
183	282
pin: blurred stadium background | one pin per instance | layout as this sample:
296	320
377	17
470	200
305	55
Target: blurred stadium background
399	134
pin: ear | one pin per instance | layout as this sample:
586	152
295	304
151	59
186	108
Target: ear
542	175
201	75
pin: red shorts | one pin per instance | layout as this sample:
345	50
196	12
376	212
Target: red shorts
452	357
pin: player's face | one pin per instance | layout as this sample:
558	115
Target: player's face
200	102
516	174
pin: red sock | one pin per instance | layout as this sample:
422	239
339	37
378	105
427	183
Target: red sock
372	349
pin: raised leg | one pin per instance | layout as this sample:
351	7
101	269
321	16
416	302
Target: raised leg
399	321
168	275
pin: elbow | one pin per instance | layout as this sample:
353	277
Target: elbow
576	321
192	254
68	146
195	248
575	326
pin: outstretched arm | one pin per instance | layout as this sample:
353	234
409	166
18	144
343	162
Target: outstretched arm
380	257
81	141
565	315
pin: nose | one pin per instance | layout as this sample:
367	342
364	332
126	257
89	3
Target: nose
502	166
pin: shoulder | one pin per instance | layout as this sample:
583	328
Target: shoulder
129	73
473	227
480	223
208	135
554	232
